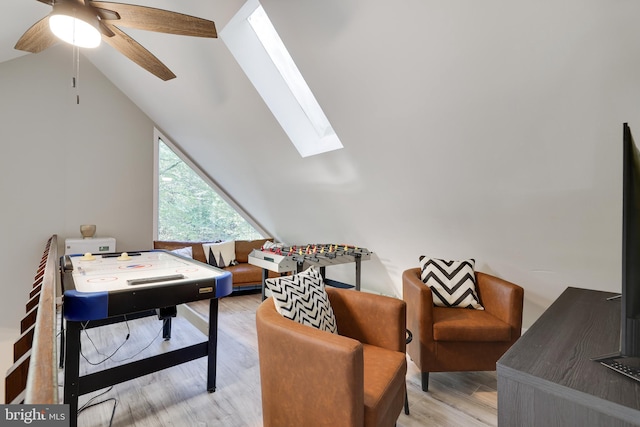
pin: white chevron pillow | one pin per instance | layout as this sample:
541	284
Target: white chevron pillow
452	283
302	298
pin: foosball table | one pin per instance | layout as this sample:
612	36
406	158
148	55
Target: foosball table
296	258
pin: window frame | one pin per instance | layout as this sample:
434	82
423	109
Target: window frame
159	136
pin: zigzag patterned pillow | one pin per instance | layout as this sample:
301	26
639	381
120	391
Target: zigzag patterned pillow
302	298
452	283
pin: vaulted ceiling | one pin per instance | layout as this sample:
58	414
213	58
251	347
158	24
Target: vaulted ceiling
471	129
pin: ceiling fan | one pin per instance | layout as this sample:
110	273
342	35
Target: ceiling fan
105	18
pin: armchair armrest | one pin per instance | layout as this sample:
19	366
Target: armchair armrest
300	364
502	299
359	314
419	301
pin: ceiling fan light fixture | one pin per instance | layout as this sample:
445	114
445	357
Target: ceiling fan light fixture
75	26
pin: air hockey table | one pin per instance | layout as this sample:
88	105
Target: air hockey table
109	288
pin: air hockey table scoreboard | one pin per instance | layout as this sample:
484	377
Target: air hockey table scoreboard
108	288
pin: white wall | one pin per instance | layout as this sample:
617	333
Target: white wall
64	164
487	129
471	129
490	130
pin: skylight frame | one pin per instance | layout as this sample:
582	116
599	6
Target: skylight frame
256	46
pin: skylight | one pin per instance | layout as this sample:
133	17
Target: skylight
256	45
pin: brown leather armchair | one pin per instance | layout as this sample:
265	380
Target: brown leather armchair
460	339
315	378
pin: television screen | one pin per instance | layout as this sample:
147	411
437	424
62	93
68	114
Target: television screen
630	308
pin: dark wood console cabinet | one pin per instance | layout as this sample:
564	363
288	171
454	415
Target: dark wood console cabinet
547	378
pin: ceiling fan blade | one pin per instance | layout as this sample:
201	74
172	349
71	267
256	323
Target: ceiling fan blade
49	2
107	14
159	20
105	30
37	38
138	54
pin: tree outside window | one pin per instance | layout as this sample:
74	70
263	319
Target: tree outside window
190	210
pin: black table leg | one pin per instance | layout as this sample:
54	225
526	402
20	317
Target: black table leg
62	341
406	391
213	345
166	329
358	260
265	276
406	400
72	370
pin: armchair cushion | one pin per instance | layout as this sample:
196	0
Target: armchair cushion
459	324
453	283
302	298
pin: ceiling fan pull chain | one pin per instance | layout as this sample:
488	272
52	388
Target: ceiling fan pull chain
76	72
73	68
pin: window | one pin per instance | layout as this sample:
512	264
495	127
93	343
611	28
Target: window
189	207
255	44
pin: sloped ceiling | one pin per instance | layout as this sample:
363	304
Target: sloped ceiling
471	129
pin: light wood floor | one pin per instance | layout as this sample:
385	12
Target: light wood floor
177	396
